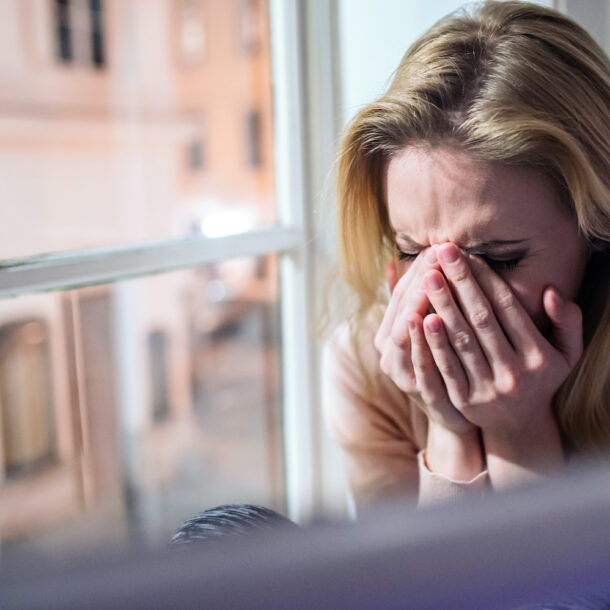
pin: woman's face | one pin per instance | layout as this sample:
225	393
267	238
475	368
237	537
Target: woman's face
508	215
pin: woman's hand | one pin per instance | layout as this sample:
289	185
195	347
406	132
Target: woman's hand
498	369
405	356
392	338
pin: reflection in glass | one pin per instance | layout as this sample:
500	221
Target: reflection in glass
127	408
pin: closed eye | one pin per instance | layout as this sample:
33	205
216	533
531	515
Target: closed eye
502	265
405	256
495	264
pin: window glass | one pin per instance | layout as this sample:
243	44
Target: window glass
129	121
127	408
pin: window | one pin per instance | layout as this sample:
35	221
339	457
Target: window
79	32
174	360
97	34
253	133
196	154
64	33
251	25
192	32
158	352
25	397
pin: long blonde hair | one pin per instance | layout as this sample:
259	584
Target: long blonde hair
513	83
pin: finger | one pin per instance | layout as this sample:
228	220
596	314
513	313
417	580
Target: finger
446	360
417	303
407	298
385	328
396	364
427	375
475	307
461	336
566	318
514	320
389	318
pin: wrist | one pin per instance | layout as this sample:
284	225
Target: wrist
458	456
523	457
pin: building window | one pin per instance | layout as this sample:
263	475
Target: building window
64	34
251	26
79	32
97	35
159	374
196	154
26	404
253	135
192	37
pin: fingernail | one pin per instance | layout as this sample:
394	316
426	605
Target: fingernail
558	299
449	253
412	324
434	282
430	256
434	325
475	263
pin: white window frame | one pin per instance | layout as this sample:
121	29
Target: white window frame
291	240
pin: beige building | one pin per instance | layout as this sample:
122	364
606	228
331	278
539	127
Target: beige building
123	121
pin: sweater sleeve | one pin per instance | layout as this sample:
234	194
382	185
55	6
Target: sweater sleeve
435	487
380	458
381	434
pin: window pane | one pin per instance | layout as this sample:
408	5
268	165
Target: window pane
129	121
127	408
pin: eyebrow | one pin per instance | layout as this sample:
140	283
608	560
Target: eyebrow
481	248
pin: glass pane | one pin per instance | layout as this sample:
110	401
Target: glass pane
127	408
123	121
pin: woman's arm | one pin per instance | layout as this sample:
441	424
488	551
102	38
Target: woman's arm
526	457
498	369
390	447
456	456
453	446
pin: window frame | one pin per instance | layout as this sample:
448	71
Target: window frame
290	239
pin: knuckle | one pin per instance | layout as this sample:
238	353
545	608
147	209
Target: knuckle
460	273
400	336
460	402
505	299
378	342
448	370
462	341
510	383
536	360
383	367
404	383
481	318
385	364
419	365
490	396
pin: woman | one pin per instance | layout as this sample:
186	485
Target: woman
477	189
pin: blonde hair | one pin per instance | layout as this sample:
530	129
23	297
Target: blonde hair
513	83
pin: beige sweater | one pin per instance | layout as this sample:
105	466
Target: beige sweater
381	432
